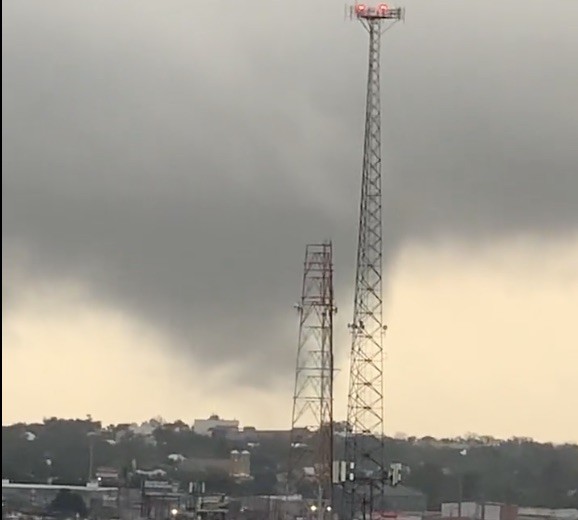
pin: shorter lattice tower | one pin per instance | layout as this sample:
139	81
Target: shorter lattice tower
311	436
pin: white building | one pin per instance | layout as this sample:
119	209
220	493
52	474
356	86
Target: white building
145	429
207	426
478	511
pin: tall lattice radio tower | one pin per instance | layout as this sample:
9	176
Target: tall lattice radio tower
364	445
312	420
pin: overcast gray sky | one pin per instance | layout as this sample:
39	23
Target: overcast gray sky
173	158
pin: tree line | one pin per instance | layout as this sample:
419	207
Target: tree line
517	471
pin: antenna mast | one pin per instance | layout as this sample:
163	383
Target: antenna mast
364	444
312	420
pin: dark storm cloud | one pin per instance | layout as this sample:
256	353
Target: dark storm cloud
177	156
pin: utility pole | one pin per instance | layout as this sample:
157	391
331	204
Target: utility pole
91	439
364	445
460	494
311	439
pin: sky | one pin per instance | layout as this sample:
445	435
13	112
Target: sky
165	164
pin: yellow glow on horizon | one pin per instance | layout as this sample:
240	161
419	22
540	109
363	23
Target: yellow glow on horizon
482	341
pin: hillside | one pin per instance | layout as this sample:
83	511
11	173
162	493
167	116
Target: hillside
518	471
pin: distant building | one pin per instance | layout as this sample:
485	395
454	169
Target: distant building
214	422
159	498
251	435
107	477
459	443
145	429
240	464
213	507
477	511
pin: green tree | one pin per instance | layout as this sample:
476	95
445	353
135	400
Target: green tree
66	504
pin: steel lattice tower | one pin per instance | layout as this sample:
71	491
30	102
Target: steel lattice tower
364	444
312	419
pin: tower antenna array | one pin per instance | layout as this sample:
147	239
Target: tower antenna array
312	419
364	444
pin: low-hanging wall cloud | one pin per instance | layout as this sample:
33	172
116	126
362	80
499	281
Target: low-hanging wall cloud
176	157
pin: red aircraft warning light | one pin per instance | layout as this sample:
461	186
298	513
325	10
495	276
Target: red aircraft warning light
376	12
